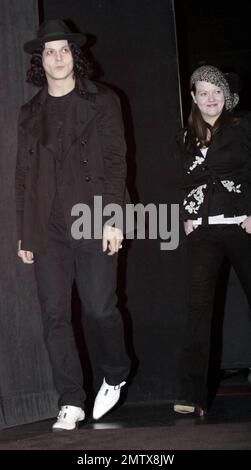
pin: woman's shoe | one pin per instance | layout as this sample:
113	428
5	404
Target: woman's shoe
185	409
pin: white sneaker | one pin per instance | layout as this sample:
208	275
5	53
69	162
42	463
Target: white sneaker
68	417
106	399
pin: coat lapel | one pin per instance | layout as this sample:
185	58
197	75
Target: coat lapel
83	110
224	137
86	109
33	123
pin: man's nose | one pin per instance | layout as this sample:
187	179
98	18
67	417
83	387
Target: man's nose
58	56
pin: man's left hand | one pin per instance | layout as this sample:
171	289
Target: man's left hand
112	239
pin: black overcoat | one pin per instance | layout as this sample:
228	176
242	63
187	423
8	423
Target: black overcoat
93	162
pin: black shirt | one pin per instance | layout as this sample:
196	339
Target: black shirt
54	129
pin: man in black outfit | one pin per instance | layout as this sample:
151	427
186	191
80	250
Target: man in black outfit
71	148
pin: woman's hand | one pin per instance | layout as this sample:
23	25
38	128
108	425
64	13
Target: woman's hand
189	226
246	224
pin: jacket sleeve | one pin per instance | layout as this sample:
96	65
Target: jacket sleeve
111	132
21	170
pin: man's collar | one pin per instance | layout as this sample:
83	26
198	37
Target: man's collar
83	87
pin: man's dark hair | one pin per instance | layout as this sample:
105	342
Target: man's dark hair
83	67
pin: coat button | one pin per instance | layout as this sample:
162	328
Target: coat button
83	142
87	178
82	92
31	151
85	161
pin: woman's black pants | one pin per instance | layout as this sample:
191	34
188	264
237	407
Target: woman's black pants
206	248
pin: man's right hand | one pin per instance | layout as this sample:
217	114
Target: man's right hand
26	256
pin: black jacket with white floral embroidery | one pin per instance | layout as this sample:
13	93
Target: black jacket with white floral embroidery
220	182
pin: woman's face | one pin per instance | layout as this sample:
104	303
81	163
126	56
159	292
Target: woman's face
209	99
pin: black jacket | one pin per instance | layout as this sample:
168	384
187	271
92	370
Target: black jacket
219	183
93	163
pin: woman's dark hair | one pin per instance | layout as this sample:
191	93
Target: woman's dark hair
197	128
83	67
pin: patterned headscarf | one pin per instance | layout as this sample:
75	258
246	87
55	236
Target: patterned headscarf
210	74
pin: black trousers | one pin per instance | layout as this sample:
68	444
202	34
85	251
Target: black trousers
95	274
206	248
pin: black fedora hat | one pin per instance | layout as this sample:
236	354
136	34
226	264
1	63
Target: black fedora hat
54	30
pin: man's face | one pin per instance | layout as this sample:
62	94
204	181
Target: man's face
57	60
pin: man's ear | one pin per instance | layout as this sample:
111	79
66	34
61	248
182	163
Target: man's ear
193	96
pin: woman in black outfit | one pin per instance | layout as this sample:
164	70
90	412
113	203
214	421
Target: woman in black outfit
215	150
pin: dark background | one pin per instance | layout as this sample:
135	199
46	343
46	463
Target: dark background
135	44
216	33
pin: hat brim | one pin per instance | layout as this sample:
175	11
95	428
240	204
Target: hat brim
77	38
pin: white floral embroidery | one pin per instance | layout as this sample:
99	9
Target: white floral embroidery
198	161
190	208
193	206
196	196
229	185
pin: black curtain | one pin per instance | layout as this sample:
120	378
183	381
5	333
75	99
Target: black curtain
26	388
